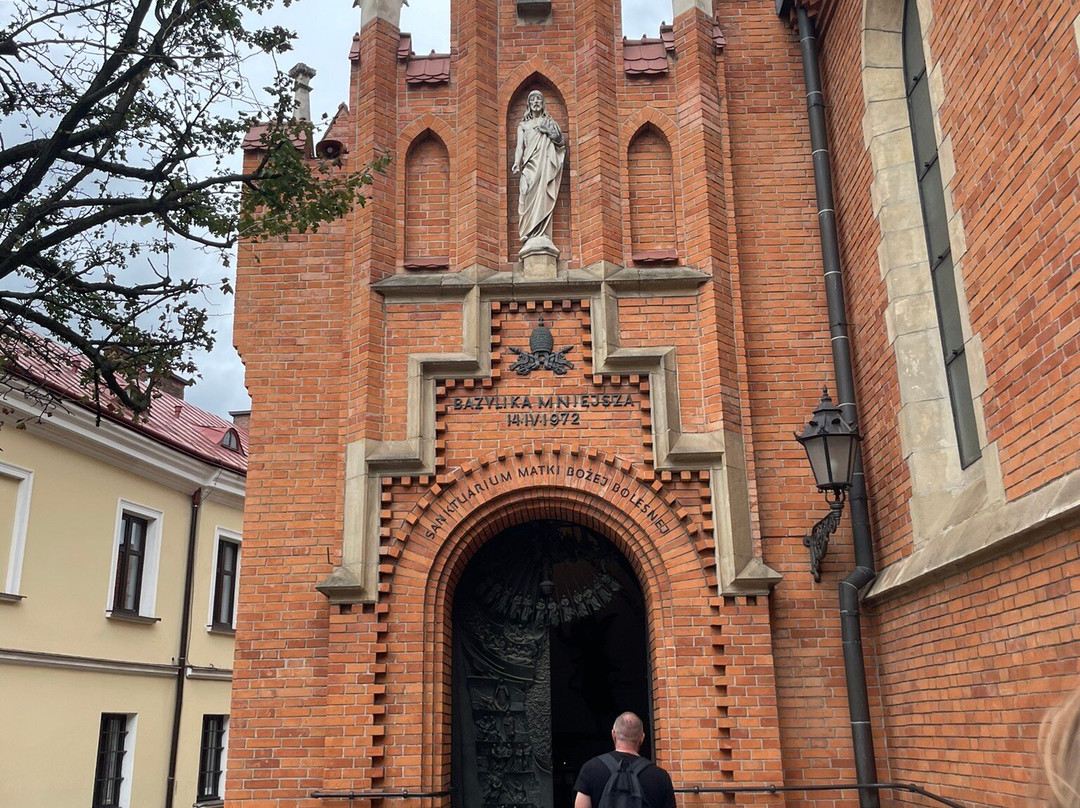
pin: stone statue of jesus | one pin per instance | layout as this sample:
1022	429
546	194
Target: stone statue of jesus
539	158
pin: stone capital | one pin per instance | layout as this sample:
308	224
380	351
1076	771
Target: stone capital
389	10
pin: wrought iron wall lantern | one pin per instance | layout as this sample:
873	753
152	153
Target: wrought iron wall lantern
830	443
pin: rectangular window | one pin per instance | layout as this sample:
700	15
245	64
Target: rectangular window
212	757
15	489
936	226
133	589
130	563
226	569
110	788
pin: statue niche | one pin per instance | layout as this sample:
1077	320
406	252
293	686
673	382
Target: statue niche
539	184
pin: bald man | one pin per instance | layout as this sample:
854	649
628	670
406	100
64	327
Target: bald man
628	734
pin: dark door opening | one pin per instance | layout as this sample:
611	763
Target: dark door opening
549	647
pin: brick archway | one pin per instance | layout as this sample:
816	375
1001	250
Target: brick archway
609	495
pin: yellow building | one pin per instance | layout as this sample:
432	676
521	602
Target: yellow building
120	546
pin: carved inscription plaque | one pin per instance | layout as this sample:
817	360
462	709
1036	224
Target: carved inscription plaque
543	410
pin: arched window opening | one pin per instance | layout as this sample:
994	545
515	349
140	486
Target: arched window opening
936	226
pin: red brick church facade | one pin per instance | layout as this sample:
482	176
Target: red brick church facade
478	482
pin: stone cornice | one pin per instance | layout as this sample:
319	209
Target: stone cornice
13	656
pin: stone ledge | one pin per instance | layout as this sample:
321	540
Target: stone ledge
754	579
422	287
128	617
983	535
425	286
344	586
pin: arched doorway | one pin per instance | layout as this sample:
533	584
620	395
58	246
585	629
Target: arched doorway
549	646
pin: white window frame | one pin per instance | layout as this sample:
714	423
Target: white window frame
152	556
20	521
237	538
224	761
127	765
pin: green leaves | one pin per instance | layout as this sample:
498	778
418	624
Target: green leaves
121	129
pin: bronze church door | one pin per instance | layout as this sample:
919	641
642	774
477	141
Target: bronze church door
549	646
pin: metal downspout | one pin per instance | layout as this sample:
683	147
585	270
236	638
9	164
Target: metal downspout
182	654
864	573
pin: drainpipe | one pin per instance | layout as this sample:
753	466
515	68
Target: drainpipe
862	737
182	654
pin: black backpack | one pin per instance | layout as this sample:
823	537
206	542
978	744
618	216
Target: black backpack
623	789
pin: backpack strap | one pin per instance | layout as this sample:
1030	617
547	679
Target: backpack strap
640	765
612	761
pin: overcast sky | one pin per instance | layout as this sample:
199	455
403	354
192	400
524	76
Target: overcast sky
325	30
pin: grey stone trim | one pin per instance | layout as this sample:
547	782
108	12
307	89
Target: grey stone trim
140	619
209	674
942	493
739	570
425	287
389	10
658	282
368	460
682	6
13	656
983	535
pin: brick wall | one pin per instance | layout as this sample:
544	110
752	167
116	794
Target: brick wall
748	688
967	662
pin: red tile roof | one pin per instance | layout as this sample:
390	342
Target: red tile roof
428	262
667	36
253	140
717	34
431	69
170	420
662	256
646	57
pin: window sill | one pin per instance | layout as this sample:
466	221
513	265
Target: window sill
128	617
984	534
10	597
227	631
209	804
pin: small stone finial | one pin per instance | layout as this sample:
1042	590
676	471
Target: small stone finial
388	10
302	75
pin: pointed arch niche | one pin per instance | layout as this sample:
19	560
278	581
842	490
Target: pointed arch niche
427	203
556	108
651	176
